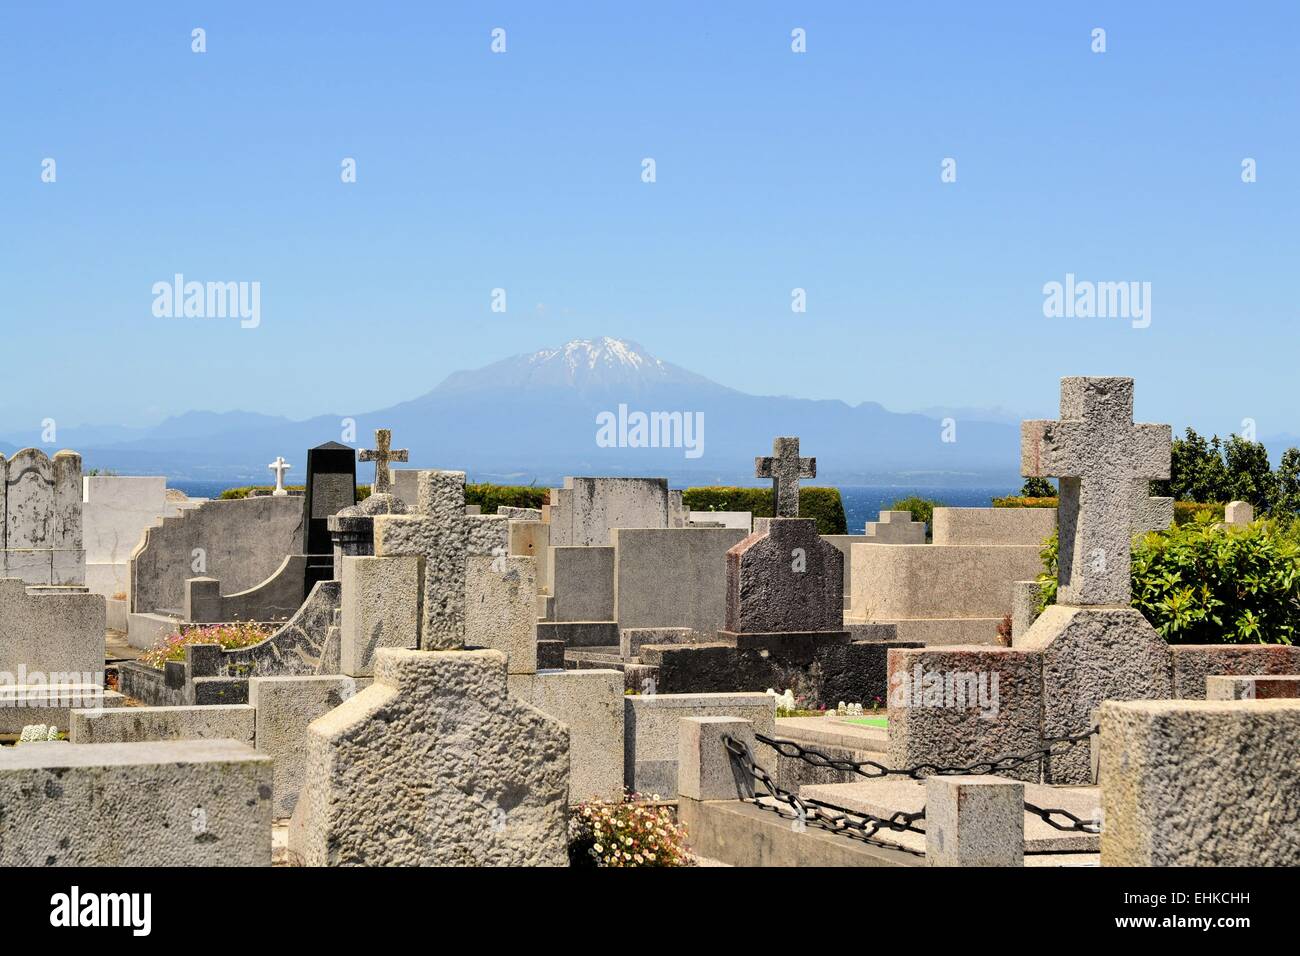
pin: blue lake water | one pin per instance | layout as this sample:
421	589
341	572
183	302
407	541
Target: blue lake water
861	503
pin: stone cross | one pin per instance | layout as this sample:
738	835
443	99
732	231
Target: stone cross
1150	513
785	468
279	466
1097	452
381	455
436	532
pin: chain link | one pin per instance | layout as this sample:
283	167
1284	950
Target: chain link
856	824
1076	824
873	770
865	826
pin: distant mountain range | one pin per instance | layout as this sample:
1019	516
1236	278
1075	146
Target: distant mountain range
556	412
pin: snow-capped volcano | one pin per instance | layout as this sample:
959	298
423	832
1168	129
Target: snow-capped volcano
536	416
583	365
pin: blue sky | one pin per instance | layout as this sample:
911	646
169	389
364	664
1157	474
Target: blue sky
522	170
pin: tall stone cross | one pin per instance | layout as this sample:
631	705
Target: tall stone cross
279	466
785	468
381	455
436	532
1097	452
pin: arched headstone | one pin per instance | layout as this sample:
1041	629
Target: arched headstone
40	530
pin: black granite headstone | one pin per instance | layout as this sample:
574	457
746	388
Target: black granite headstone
331	487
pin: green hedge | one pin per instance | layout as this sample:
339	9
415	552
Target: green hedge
1184	511
490	497
1019	501
487	496
363	491
823	504
247	490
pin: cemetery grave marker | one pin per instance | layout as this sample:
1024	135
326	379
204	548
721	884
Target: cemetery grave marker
382	455
785	468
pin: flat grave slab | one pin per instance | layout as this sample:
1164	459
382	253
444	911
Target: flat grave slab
830	732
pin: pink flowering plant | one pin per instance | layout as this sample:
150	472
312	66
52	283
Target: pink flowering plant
629	833
229	636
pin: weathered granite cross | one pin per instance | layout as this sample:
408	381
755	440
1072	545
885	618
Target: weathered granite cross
1150	513
381	455
1097	452
785	468
436	532
279	466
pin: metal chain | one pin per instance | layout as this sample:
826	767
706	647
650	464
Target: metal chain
866	826
856	824
1076	824
873	770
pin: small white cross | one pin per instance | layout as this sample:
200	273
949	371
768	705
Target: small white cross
279	466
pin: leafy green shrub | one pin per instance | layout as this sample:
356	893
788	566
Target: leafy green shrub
822	504
1186	512
1203	583
922	509
1047	578
490	497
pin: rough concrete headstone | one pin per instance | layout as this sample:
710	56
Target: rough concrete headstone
483	776
54	631
1091	655
585	510
1238	514
40	518
499	608
590	704
788	579
380	608
895	527
963	706
168	803
283	708
1201	783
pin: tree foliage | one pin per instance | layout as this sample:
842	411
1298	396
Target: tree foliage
1211	470
1038	488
